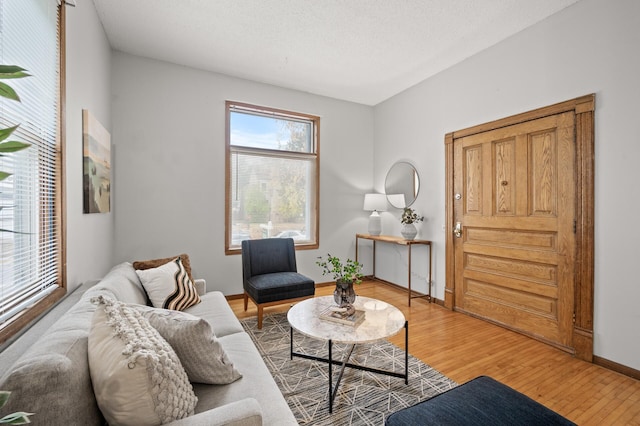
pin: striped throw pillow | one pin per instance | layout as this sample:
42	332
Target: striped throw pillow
168	286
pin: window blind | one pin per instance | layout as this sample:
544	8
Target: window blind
29	228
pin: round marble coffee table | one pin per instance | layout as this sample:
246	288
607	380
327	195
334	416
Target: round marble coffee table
381	320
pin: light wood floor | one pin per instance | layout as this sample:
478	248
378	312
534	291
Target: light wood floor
462	347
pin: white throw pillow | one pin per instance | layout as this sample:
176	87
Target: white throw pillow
200	352
137	377
169	286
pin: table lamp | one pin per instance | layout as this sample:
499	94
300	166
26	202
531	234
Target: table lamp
375	203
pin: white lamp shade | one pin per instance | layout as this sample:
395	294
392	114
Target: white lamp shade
375	202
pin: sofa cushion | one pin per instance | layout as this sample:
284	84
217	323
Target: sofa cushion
244	412
154	263
216	310
51	379
279	286
256	382
200	352
137	377
122	284
168	286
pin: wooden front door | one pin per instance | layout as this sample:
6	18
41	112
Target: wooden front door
522	190
515	242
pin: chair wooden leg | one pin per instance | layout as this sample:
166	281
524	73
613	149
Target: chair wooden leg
260	309
246	301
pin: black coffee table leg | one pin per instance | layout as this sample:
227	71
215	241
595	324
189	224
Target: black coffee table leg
333	391
331	395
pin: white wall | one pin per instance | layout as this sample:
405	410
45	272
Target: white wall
591	47
169	127
89	237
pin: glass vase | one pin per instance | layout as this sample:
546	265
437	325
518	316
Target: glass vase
344	295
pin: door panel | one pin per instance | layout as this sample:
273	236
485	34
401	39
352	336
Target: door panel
543	165
504	153
515	238
514	260
473	187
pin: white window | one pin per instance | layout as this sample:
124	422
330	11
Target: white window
30	210
272	175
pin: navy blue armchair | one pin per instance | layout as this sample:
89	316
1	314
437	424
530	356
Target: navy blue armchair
270	275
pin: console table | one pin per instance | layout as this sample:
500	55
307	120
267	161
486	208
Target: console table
400	241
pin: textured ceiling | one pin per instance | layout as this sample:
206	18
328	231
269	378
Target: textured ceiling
363	51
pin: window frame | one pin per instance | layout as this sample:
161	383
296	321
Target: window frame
276	113
20	322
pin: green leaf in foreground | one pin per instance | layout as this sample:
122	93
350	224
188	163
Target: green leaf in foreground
13	146
5	133
18	418
12	71
4	397
7	92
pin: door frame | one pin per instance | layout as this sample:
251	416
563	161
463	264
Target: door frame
583	109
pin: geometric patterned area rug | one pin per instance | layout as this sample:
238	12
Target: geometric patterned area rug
363	398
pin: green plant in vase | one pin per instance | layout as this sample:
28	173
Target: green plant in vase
346	274
409	217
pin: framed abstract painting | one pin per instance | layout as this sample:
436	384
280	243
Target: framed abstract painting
96	153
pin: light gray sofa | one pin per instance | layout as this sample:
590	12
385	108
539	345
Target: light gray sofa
52	380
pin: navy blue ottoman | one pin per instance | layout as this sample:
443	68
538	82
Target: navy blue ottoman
481	401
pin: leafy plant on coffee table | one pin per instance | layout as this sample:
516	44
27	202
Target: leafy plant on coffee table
341	271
